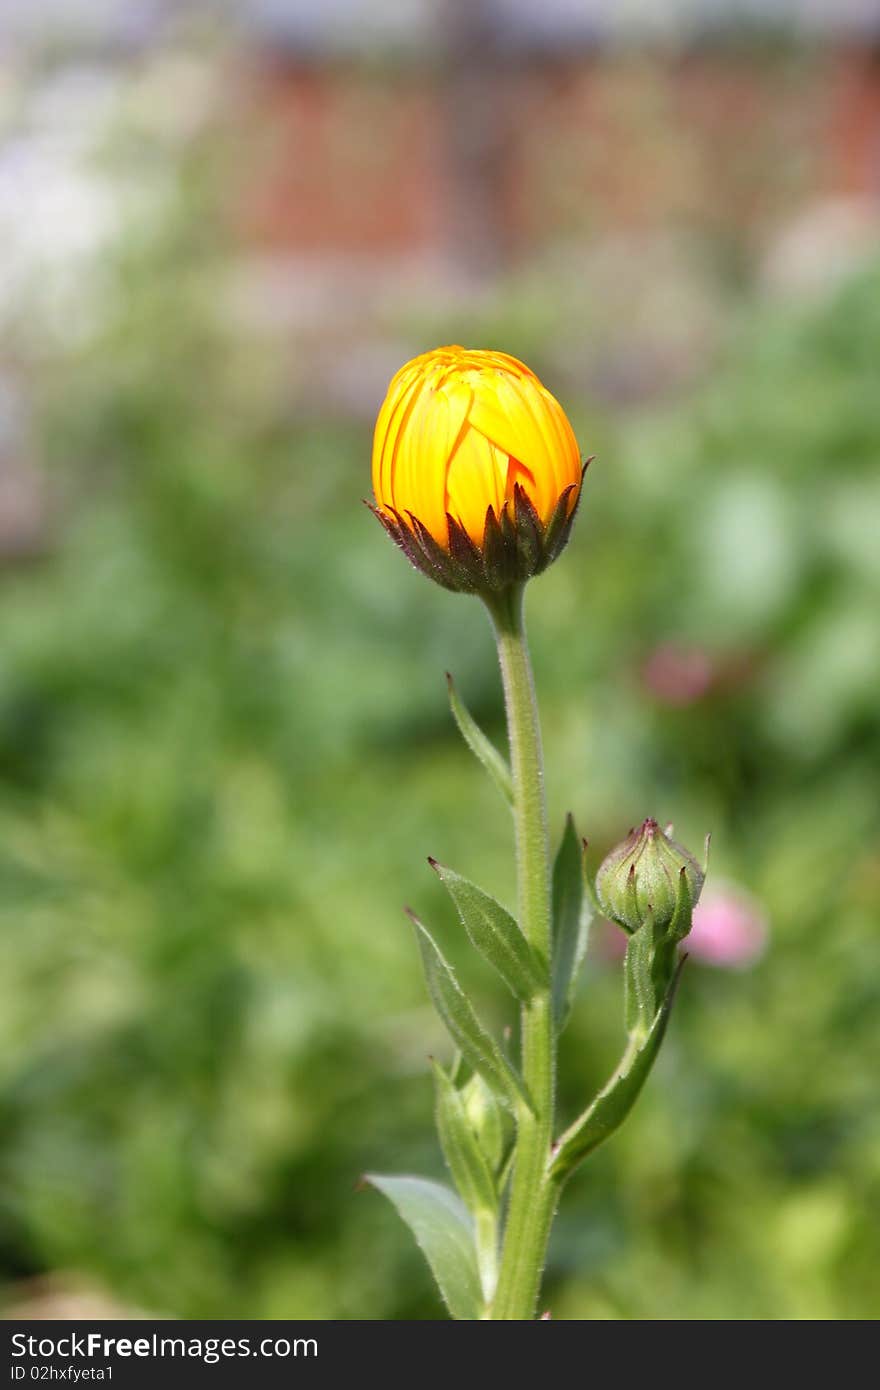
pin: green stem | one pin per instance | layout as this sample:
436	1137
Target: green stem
533	1196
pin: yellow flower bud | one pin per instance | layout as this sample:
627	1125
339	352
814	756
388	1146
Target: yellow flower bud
476	470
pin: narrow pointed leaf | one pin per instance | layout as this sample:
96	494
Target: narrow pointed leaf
464	1157
495	934
444	1231
478	1047
572	915
477	742
614	1102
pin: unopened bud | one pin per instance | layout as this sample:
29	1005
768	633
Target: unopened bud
644	879
484	1117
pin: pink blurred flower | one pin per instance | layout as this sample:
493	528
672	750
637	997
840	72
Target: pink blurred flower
729	928
676	674
607	940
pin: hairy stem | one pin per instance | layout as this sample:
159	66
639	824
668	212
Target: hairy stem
533	1195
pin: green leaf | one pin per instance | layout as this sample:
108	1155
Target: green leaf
495	935
464	1157
477	742
477	1046
614	1102
444	1231
572	915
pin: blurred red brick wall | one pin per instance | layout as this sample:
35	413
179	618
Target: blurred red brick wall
345	160
342	161
854	127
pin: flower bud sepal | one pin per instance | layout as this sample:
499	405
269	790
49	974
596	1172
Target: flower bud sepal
642	876
649	885
476	469
516	544
652	959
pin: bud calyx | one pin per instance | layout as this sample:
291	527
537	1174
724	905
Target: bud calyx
649	877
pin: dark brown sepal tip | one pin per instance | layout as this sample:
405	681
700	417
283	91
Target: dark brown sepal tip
516	544
530	554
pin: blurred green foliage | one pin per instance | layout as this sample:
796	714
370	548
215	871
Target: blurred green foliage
226	752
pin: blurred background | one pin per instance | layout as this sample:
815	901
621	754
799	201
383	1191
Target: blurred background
225	749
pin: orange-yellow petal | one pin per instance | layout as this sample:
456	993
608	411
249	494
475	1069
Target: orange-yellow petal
506	413
422	465
475	481
459	429
388	432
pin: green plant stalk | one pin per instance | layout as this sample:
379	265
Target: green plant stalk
533	1195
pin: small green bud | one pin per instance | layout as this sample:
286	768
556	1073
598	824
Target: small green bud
641	879
484	1117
